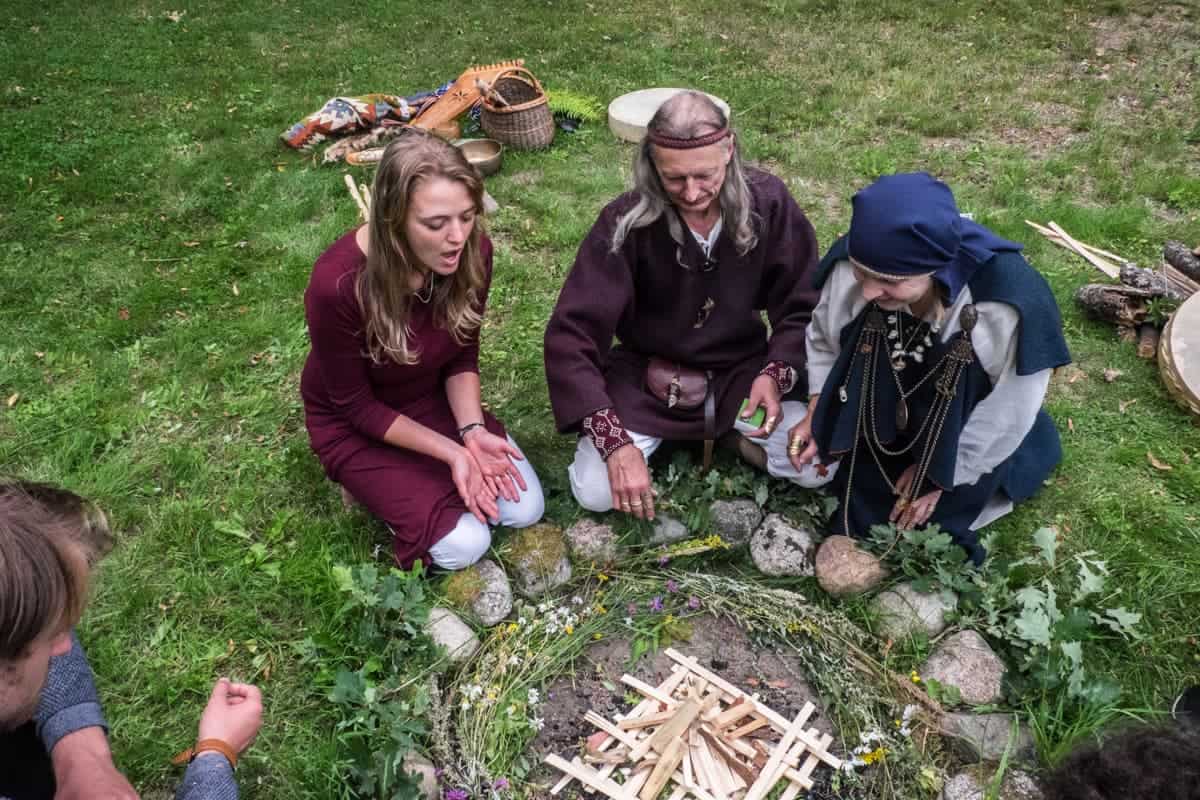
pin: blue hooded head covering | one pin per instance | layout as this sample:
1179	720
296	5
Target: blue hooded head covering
908	225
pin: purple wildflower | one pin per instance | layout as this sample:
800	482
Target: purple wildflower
663	560
501	784
693	602
672	587
656	604
455	794
632	609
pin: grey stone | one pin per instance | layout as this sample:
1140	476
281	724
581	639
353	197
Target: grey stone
592	542
778	548
735	520
843	569
426	772
538	556
533	582
667	530
984	737
972	785
965	660
903	611
446	629
495	598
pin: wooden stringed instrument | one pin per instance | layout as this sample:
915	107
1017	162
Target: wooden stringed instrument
462	95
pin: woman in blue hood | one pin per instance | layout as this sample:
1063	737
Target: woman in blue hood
932	346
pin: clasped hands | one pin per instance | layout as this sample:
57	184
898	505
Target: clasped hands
484	471
910	514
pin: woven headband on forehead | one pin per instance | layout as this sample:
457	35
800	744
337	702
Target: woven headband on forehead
887	276
671	143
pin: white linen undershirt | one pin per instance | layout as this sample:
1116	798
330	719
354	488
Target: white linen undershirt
997	425
707	243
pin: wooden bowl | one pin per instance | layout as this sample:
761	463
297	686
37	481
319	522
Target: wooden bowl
483	154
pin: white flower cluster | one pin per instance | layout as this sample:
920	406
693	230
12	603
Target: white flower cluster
909	712
473	692
558	619
867	745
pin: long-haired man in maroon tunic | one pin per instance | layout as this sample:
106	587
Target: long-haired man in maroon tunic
680	269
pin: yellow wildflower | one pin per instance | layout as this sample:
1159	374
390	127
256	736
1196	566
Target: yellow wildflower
914	676
569	629
875	755
597	636
512	628
600	576
601	609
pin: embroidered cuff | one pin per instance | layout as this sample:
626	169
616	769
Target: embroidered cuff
605	430
783	374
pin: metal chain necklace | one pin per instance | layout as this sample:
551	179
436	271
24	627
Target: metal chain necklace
425	293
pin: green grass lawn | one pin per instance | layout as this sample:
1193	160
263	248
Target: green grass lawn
157	238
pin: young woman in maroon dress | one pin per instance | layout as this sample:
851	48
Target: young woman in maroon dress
391	386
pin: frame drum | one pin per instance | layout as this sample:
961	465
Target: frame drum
1179	354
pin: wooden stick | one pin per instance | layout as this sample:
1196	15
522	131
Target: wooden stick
636	781
647	690
719	748
646	721
586	776
363	211
766	778
1058	240
749	727
739	709
663	770
612	730
669	685
1099	263
777	721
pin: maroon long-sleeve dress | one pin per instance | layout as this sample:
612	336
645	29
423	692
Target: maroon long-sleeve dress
350	402
706	317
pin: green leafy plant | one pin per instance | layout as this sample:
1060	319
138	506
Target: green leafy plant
384	700
579	107
1040	607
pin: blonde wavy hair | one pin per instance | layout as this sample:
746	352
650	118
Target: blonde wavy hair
384	286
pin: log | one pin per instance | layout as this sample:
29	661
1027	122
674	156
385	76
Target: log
1156	282
1180	256
1121	305
1148	336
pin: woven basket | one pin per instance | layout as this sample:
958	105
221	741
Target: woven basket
517	112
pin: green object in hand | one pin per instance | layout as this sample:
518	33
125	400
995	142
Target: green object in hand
757	419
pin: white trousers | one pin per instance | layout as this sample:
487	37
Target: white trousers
469	539
589	473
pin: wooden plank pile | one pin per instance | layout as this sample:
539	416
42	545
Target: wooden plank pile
697	735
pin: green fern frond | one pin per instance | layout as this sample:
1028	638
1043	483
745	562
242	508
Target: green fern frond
581	107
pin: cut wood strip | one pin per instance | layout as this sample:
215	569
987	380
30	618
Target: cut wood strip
656	718
672	729
743	770
693	788
749	727
586	775
777	721
600	722
647	690
636	781
680	792
646	705
739	709
1058	240
766	778
810	763
700	767
663	770
742	748
565	781
721	779
352	185
1111	270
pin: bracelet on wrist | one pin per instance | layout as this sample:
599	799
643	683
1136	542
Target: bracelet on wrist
465	429
207	746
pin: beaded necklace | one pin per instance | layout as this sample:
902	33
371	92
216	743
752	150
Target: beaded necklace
872	338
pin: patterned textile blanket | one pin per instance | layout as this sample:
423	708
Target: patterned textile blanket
345	115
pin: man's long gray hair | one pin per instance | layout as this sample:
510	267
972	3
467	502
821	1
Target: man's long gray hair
689	115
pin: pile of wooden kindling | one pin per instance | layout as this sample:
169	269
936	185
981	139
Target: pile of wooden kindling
1128	304
697	735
